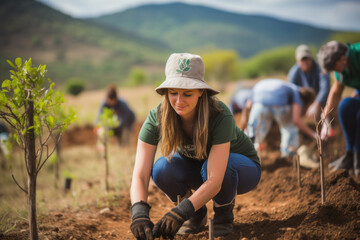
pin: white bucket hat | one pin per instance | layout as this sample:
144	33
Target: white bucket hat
185	71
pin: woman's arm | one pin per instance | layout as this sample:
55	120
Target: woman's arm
297	120
145	154
334	97
216	168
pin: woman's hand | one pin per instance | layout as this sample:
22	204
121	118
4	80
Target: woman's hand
171	222
141	225
326	130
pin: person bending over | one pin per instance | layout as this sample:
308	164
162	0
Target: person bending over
344	61
284	102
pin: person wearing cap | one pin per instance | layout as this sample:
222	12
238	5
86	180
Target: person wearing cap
344	61
204	156
241	103
284	102
307	73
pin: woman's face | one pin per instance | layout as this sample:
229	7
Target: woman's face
341	64
184	101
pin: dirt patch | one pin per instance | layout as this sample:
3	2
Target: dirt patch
78	135
85	135
277	209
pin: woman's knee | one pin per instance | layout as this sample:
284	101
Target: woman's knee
346	106
242	173
160	170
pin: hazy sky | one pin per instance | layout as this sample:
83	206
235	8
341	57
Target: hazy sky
334	14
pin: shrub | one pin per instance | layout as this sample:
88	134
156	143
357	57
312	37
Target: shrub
220	65
75	86
137	77
274	61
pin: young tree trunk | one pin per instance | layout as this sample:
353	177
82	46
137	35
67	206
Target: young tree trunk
58	162
30	159
106	163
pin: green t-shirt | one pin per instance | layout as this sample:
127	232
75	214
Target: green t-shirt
351	76
222	129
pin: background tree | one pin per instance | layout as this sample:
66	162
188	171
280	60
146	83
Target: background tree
28	105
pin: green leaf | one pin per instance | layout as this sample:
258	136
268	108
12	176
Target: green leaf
43	68
17	91
3	98
50	121
16	138
10	63
23	132
18	62
6	84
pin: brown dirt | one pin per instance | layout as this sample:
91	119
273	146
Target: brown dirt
277	209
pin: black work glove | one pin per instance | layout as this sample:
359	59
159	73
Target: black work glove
141	225
170	223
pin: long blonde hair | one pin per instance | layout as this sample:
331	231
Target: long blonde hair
172	136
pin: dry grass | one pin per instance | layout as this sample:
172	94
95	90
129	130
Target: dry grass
87	167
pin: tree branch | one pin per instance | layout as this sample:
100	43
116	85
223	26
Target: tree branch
13	177
48	155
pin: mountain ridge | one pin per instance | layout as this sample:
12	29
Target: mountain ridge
72	48
246	33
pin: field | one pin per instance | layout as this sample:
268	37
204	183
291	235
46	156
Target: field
277	209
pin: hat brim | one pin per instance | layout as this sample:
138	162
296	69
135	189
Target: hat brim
304	55
184	83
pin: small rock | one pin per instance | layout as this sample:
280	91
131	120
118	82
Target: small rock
105	210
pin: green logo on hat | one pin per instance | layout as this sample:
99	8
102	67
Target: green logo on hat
183	65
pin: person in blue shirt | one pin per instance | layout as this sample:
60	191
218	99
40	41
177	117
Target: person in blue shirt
284	102
307	73
123	112
241	103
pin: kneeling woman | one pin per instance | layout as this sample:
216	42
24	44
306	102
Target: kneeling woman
205	155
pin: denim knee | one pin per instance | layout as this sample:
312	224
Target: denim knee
159	171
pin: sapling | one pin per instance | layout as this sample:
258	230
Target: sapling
298	169
323	122
28	105
107	121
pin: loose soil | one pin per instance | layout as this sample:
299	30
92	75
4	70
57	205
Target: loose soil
277	209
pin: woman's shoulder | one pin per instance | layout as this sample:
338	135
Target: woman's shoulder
154	111
223	106
222	109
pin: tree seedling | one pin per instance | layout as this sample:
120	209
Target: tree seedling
28	105
107	121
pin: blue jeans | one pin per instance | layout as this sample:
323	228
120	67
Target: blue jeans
349	116
177	176
260	122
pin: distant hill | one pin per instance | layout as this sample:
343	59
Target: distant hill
185	27
73	48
